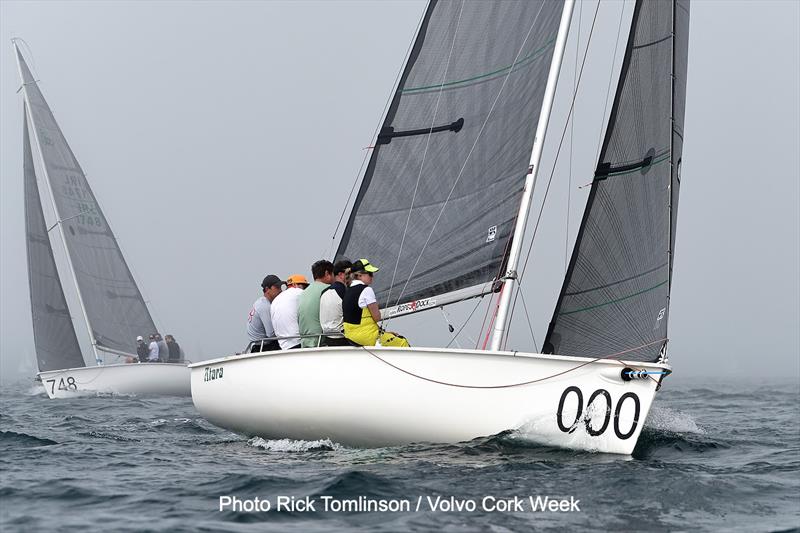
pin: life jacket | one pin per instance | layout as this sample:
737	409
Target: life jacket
359	326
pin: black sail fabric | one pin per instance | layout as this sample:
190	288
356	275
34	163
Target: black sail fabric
615	298
114	306
442	189
53	333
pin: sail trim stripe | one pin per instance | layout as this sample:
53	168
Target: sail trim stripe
521	63
652	43
617	282
614	301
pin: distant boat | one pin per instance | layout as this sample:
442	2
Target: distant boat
111	304
443	207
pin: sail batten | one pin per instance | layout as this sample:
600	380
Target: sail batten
436	207
615	297
111	302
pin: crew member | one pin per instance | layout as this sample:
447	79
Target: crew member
360	309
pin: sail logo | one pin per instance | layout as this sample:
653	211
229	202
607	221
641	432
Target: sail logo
660	316
492	234
212	373
410	307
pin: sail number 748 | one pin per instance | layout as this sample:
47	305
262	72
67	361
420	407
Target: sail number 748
598	396
68	384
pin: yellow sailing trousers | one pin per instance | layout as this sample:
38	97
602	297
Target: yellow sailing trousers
365	333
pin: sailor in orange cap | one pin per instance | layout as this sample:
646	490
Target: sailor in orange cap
283	312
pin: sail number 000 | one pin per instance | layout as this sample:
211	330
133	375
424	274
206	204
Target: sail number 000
594	432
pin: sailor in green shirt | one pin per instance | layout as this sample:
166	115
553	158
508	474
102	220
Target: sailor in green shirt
308	308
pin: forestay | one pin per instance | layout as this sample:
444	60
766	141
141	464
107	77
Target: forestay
615	298
114	307
53	333
438	200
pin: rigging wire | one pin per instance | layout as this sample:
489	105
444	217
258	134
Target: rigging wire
368	150
477	304
555	163
572	139
610	80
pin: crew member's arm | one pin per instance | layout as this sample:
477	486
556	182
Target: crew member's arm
375	311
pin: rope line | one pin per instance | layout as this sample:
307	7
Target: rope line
505	386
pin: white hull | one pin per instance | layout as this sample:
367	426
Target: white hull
163	379
369	397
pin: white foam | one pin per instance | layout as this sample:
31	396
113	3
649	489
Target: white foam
290	445
666	419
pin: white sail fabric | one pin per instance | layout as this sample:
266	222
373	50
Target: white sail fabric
53	333
114	306
439	198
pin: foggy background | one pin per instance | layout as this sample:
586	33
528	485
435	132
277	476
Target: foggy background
222	140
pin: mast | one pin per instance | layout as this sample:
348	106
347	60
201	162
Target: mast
530	180
29	118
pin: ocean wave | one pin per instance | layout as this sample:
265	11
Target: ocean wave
12	439
291	445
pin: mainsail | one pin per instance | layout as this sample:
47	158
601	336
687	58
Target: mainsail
113	305
53	333
615	298
438	201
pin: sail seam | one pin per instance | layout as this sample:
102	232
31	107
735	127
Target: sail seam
505	70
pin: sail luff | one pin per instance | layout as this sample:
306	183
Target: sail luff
54	336
510	277
71	266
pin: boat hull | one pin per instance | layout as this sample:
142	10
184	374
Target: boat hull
162	379
384	396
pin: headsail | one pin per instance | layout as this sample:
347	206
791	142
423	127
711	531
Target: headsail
113	304
615	298
440	194
53	333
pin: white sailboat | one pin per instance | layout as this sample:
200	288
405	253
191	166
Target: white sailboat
111	304
443	207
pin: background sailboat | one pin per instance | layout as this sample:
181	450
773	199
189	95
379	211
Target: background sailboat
442	208
111	304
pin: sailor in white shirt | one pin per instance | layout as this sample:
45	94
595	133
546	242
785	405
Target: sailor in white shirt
330	305
152	355
283	312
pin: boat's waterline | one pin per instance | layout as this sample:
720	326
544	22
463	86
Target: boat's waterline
381	396
163	379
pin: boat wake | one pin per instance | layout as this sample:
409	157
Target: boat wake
290	445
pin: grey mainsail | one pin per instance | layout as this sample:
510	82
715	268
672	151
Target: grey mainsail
439	198
615	298
53	333
113	305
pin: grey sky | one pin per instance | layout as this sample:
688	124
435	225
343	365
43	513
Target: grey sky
221	140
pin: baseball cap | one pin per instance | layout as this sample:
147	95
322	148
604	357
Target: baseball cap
139	338
363	265
296	279
271	281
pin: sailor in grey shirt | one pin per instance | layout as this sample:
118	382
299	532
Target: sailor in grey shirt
259	324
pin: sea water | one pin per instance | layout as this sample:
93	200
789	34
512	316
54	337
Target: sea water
713	455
